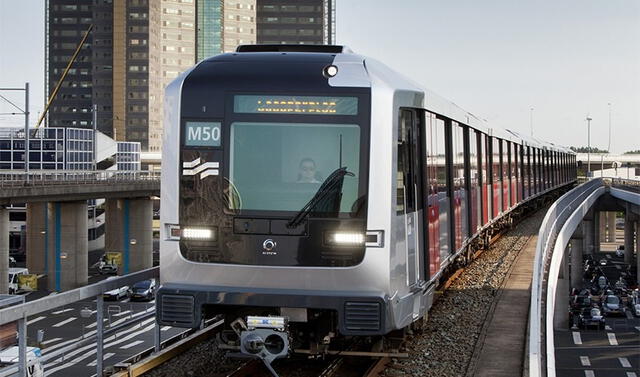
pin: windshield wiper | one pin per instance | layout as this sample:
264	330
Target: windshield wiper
333	182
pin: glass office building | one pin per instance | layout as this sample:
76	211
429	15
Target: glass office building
128	156
61	149
209	28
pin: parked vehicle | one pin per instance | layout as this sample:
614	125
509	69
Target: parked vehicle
612	305
115	294
9	357
578	302
634	303
591	317
14	272
12	262
143	290
620	251
603	262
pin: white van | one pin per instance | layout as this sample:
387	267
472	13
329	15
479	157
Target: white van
9	356
14	272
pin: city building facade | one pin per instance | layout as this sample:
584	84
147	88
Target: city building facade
134	48
296	21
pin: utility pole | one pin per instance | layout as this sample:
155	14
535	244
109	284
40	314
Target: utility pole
589	119
95	138
531	120
25	112
609	145
26	130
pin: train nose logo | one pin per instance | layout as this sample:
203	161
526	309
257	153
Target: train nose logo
269	244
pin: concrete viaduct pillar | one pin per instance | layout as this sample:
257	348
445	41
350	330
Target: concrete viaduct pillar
602	226
596	233
4	250
611	226
588	227
37	236
129	231
638	250
563	289
628	237
576	261
68	244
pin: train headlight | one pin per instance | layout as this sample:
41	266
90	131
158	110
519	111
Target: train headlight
330	71
344	238
198	234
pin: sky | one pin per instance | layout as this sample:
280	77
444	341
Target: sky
497	59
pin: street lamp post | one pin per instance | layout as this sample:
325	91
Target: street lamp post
609	145
531	120
589	119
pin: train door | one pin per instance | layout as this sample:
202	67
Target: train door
409	181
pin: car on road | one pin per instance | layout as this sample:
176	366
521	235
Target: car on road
117	293
620	251
612	305
634	303
14	273
591	317
603	261
143	290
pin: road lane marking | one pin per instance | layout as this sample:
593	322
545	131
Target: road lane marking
70	319
50	341
62	311
584	360
589	373
638	328
165	328
631	374
576	338
95	362
629	316
612	339
625	362
35	320
122	313
607	327
132	344
90	349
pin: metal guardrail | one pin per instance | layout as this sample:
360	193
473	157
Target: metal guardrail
557	214
73	177
559	224
21	312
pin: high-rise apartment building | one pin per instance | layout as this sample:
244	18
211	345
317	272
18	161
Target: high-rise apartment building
136	47
296	21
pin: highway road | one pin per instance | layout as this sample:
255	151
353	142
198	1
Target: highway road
613	352
64	326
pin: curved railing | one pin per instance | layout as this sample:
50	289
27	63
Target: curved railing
553	221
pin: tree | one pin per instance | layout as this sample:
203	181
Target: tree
633	152
588	150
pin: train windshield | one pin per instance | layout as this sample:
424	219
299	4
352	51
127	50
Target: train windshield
280	166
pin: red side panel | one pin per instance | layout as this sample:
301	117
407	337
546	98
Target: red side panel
496	199
505	197
514	191
485	204
457	213
434	235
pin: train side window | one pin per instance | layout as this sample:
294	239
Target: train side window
404	179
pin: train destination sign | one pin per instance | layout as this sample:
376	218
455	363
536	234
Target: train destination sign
202	134
310	105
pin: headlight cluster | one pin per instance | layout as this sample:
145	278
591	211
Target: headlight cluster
191	233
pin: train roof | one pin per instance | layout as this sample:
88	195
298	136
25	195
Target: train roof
351	74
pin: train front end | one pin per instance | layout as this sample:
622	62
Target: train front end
265	181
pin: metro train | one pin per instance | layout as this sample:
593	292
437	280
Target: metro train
313	196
